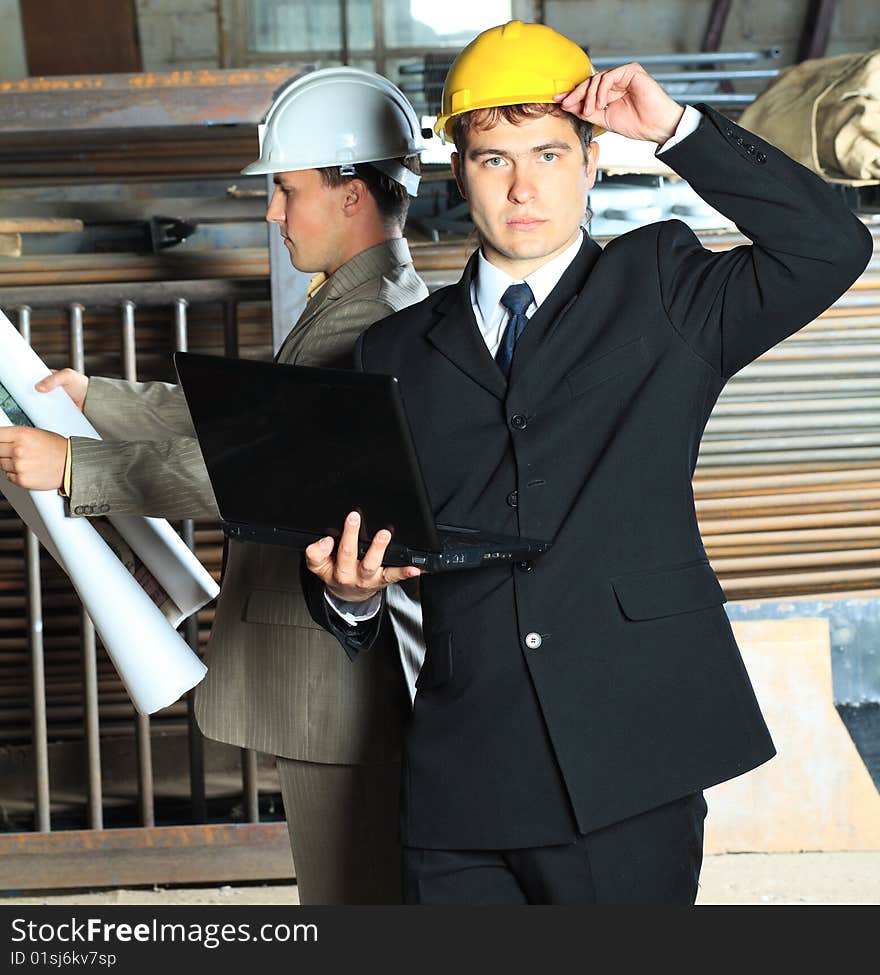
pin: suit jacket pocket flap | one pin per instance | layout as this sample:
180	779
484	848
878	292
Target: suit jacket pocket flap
666	592
279	607
437	668
606	366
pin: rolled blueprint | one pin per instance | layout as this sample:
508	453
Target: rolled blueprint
136	578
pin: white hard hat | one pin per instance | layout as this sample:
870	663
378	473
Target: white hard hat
339	117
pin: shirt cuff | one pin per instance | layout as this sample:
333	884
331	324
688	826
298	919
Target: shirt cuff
64	490
686	125
354	613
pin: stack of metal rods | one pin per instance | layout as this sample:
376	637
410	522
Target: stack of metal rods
787	486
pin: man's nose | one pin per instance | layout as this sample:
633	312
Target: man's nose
522	187
275	211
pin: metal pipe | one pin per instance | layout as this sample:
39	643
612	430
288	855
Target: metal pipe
817	29
869	534
736	75
789	420
380	42
781	483
249	785
713	99
150	292
715	28
142	722
91	717
710	57
769	563
739	407
129	348
805	500
343	32
846	457
39	724
815	582
191	628
181	338
760	523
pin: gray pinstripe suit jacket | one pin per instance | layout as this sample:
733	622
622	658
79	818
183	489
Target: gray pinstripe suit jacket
276	682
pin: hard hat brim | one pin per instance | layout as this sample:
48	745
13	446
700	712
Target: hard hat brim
443	128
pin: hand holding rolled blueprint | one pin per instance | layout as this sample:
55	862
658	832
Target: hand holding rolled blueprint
136	578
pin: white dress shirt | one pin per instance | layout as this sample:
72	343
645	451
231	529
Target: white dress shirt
487	287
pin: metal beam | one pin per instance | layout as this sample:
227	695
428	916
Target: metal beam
165	854
237	96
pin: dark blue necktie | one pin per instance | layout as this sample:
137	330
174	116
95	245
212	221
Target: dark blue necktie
516	299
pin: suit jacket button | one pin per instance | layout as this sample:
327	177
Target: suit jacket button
525	566
761	157
518	421
750	148
533	640
740	140
513	499
78	510
104	508
730	132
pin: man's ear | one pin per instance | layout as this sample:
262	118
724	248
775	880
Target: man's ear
592	163
355	196
459	175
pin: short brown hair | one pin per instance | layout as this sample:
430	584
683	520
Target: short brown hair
485	118
391	197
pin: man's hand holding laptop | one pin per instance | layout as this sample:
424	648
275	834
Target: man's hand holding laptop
343	575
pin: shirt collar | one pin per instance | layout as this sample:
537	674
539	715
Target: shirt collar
491	282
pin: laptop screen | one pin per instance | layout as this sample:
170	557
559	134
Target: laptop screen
298	447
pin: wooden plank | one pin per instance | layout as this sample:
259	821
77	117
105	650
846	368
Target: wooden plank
90	36
10	245
164	854
39	225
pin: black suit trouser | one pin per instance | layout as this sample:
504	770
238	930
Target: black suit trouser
652	858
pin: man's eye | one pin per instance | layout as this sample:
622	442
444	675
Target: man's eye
548	156
493	160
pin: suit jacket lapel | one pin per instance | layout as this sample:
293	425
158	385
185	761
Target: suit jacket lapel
532	343
457	335
366	266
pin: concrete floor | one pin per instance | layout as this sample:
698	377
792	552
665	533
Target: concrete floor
745	878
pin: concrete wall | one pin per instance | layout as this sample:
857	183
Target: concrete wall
178	34
12	60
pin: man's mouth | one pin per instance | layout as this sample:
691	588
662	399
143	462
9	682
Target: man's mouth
525	223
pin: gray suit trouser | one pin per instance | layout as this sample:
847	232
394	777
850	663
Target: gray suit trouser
344	826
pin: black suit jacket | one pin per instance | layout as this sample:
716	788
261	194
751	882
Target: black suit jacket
603	679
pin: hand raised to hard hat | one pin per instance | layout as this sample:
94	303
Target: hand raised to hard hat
626	100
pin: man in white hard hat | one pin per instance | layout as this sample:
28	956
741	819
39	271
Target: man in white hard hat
572	708
343	147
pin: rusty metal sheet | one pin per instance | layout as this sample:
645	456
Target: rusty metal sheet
164	854
235	96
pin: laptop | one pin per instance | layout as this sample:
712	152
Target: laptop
291	450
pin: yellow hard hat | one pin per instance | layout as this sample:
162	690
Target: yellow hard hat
512	64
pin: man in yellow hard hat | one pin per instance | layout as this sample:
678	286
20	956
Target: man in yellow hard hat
572	708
